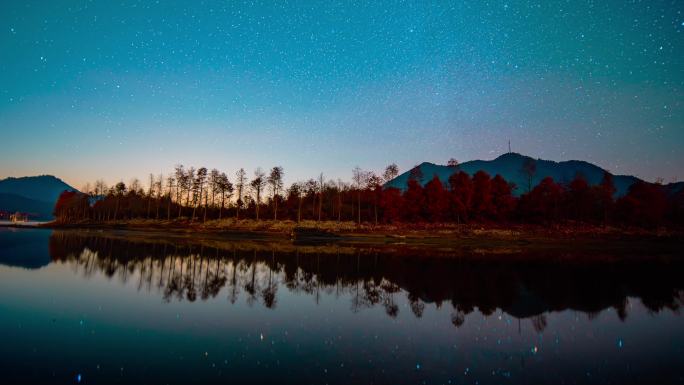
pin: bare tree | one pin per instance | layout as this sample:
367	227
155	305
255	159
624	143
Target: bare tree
212	190
240	180
214	176
390	173
198	189
225	189
119	191
340	188
257	184
275	180
100	187
359	177
297	189
181	185
321	187
170	181
374	183
134	186
150	192
529	168
159	186
189	178
311	188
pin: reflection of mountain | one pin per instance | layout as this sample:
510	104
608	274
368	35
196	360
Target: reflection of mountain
510	166
35	195
373	278
24	248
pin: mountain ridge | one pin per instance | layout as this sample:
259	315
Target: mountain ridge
511	167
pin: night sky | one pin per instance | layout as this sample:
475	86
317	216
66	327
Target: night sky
98	89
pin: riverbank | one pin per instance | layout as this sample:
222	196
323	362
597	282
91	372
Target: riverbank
438	235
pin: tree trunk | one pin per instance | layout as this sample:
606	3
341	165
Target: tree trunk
299	210
320	206
359	195
206	198
275	207
223	198
116	209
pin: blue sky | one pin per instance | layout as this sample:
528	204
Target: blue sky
114	90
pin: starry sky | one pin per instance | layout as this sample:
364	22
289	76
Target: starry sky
114	90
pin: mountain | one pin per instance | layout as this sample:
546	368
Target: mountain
12	203
44	188
32	194
510	166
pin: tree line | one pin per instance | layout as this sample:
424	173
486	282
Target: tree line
200	195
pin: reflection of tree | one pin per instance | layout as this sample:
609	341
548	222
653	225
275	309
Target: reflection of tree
251	285
268	293
234	289
388	290
458	318
539	323
370	278
417	306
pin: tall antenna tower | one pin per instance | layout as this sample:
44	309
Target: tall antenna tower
509	146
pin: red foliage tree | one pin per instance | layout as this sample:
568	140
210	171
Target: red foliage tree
414	201
461	194
579	199
542	204
503	201
392	204
644	205
71	205
482	206
436	201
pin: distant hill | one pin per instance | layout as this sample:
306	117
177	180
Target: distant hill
510	167
12	203
32	194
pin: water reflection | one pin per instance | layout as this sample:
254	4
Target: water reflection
181	270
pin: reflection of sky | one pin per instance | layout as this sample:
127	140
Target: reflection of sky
117	90
60	319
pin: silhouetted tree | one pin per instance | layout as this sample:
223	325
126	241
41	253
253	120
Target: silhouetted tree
275	180
257	184
198	189
240	180
391	172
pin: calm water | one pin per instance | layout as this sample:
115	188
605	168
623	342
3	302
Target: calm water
94	307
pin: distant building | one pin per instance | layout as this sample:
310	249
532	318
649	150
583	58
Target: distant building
19	217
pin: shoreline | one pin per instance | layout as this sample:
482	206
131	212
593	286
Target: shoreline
444	235
481	243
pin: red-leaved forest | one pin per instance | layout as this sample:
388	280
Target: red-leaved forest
200	195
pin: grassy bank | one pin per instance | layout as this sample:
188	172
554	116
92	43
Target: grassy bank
370	232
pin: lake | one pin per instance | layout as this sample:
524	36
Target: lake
114	307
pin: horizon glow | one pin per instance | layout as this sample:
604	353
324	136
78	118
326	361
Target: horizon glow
95	90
